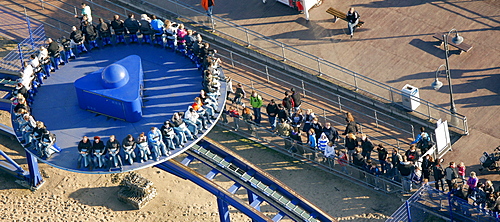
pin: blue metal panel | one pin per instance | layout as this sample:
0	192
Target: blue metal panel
235	187
269	181
223	210
219	192
12	162
279	216
212	174
187	160
35	178
254	200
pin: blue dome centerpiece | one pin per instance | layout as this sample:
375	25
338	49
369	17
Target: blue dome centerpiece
115	91
114	76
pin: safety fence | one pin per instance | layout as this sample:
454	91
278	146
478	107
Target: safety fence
13	61
429	204
303	60
310	155
327	106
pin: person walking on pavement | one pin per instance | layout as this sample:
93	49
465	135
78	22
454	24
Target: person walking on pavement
208	5
256	103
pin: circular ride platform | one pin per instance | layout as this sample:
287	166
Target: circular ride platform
171	82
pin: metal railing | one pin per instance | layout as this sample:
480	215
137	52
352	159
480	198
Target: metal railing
329	106
429	204
304	61
13	61
332	117
309	155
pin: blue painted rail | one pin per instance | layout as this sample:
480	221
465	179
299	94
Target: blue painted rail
260	186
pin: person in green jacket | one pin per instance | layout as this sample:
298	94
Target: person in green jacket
256	103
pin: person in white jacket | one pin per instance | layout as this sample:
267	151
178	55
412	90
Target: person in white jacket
192	119
330	153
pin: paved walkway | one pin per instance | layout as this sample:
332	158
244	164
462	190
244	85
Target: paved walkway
396	47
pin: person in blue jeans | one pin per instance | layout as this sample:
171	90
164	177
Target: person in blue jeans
272	112
208	5
155	141
352	20
256	103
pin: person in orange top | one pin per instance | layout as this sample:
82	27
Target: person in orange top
205	111
208	6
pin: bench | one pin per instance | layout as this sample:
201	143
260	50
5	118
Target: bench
340	15
463	47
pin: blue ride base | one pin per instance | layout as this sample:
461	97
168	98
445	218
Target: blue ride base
171	82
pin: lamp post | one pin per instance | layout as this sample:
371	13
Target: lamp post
437	84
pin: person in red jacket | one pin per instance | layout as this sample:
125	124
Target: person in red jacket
233	112
208	6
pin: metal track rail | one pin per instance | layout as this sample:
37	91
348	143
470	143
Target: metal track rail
260	186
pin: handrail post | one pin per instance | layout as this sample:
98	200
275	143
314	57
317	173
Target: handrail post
413	132
319	66
303	88
231	55
466	126
355	82
41	3
407	205
376	119
428	111
29	28
267	74
177	10
20	55
283	51
251	82
324	114
340	104
248	38
212	23
391	95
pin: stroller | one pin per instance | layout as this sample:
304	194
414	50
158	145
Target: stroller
489	161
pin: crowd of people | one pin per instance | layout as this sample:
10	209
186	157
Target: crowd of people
173	134
301	127
303	132
152	30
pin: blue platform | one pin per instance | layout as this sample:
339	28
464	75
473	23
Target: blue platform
171	82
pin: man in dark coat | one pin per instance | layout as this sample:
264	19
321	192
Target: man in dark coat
272	112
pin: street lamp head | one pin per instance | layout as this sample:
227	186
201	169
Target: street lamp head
457	39
436	85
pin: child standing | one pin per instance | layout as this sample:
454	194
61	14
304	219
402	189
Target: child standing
461	171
